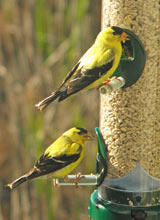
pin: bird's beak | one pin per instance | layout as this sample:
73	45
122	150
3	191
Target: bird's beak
88	136
124	37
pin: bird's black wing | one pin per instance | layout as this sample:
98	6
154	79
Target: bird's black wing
84	78
69	75
47	164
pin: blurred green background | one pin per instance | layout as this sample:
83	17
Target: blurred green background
40	41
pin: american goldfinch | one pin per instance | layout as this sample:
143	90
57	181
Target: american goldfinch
96	65
60	158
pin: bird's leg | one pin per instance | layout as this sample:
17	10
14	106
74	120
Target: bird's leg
115	78
106	82
111	84
77	179
66	179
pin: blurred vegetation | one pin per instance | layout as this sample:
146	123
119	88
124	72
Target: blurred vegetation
40	41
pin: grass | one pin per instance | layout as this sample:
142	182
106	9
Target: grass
40	43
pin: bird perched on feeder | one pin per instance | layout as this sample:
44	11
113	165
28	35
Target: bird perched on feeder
96	66
60	158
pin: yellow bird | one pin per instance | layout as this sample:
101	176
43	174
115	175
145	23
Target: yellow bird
96	65
60	158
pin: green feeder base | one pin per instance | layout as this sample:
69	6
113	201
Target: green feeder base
99	210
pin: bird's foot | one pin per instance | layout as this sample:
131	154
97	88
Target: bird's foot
111	84
105	87
104	83
66	179
76	180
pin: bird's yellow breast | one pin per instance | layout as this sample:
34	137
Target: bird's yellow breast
116	60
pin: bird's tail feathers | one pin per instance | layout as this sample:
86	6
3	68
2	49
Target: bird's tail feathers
33	173
45	102
17	182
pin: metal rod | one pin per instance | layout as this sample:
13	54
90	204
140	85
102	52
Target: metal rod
114	84
86	180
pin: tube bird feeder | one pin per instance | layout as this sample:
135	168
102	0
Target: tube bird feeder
131	116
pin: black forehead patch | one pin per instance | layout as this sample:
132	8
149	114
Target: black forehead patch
117	30
82	130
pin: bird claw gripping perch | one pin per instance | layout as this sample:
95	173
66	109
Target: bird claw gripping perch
78	176
101	168
111	84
